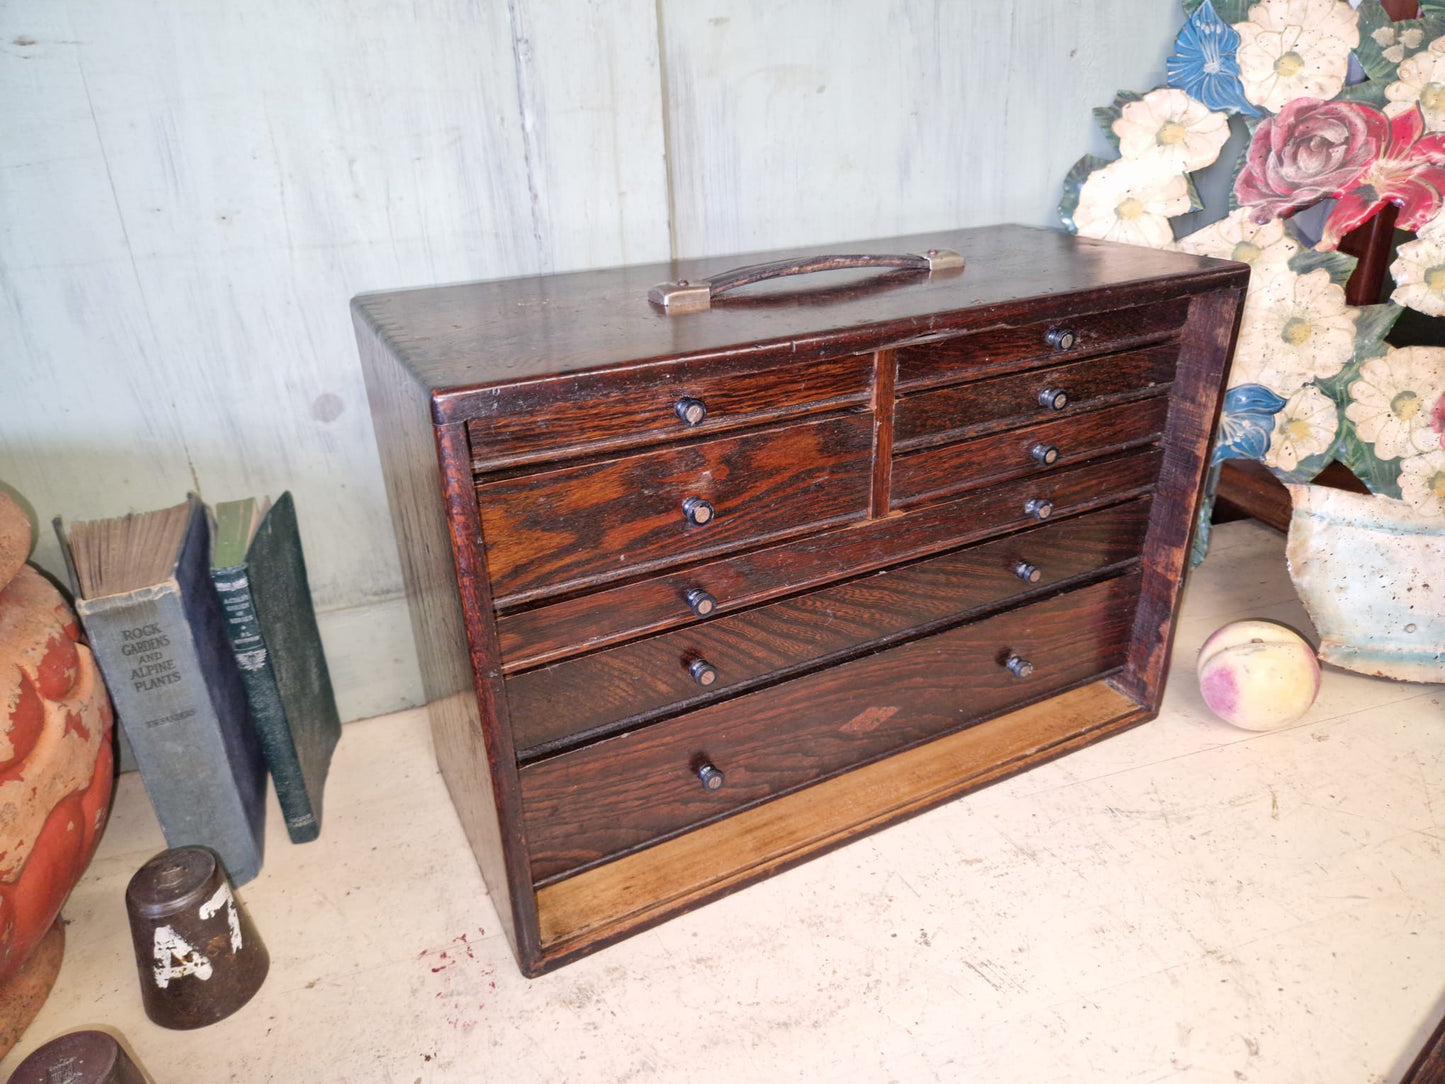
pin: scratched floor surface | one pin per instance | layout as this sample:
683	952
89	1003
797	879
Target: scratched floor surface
1185	902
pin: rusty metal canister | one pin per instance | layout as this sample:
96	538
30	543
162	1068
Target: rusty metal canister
198	956
82	1057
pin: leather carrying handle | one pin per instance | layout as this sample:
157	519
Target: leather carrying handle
683	297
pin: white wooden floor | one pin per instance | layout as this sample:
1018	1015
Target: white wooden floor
1185	902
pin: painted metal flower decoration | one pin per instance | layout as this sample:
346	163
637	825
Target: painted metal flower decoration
1313	379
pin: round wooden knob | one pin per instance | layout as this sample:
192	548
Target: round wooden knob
1018	666
697	511
1053	398
711	778
1046	455
700	602
1060	338
1039	507
691	411
702	671
1028	573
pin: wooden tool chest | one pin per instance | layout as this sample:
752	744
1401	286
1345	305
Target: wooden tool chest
699	594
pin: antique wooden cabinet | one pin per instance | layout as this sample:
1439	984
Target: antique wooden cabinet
699	594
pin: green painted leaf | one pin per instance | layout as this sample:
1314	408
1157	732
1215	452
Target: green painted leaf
1195	203
1370	92
1339	265
1371	327
1231	11
1073	182
1432	7
1233	204
1379	475
1371	51
1106	115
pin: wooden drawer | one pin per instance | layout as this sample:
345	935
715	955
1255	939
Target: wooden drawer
964	410
590	412
625	792
555	530
606	690
982	353
937	472
556	630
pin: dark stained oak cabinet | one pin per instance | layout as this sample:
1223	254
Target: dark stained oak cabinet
698	596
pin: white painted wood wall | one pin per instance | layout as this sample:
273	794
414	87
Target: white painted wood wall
191	192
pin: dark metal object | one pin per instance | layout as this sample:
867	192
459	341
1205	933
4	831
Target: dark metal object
1028	573
1054	398
82	1057
1018	667
1044	454
691	411
1060	338
711	778
1039	507
198	956
702	671
700	602
697	511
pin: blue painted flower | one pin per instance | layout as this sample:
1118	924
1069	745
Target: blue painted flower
1247	422
1204	66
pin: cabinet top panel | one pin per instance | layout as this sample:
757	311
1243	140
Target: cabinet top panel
455	338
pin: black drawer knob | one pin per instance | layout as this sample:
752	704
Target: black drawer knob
1060	338
1053	398
711	778
697	511
1018	666
700	602
702	671
1044	454
1039	507
691	411
1028	573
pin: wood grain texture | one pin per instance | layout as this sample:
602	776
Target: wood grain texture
590	621
625	792
579	914
964	410
612	689
550	531
936	472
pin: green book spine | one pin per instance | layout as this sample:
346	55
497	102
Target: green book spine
268	711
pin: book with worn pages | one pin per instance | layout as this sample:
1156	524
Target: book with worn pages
144	594
259	572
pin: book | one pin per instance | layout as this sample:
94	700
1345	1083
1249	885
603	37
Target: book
144	595
259	571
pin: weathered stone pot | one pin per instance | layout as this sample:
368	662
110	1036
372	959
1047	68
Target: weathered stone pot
1371	572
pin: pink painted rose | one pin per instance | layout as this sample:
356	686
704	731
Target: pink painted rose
1312	149
1408	171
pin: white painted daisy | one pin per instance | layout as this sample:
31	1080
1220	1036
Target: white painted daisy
1132	202
1298	328
1392	402
1422	482
1238	237
1169	127
1420	80
1295	49
1305	426
1419	273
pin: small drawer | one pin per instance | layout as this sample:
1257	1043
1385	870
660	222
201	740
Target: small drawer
938	472
587	696
967	357
570	626
577	526
591	412
964	410
620	794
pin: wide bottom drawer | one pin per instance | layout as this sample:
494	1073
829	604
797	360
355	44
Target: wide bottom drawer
617	795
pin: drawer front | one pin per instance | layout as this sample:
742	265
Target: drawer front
964	410
589	412
937	472
572	527
622	793
968	356
559	629
588	695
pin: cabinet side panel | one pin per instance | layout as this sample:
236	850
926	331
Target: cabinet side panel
415	468
1205	351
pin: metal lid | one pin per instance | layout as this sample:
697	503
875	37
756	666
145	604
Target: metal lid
172	880
82	1057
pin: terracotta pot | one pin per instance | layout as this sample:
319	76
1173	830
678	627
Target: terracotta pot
1369	570
56	765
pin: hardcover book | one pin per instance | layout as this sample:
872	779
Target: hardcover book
144	595
259	571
